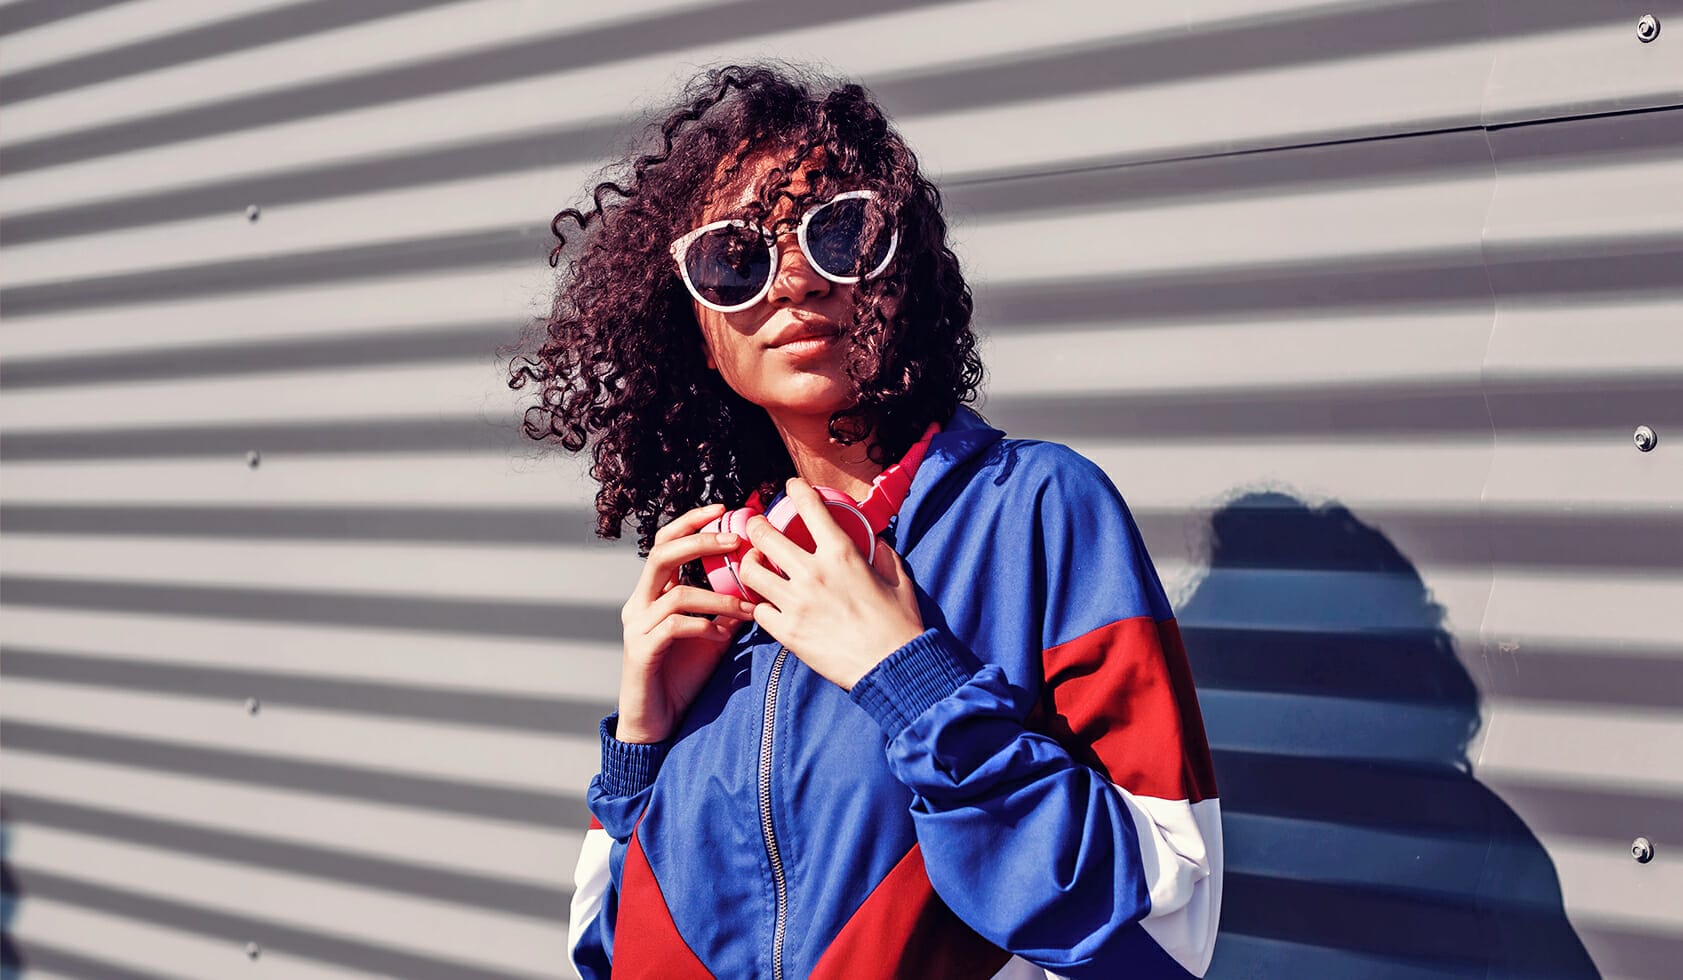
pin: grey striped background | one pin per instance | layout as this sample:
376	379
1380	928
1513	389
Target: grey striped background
1359	303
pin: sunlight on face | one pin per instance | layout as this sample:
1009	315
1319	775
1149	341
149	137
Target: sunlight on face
784	353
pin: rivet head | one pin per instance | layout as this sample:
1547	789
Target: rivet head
1642	850
253	458
1647	28
252	706
252	950
1645	438
253	212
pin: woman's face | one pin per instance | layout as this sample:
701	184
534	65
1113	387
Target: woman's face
784	353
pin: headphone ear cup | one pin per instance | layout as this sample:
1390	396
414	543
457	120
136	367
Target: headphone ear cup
787	520
843	508
721	569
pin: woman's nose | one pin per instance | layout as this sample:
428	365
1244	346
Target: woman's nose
796	279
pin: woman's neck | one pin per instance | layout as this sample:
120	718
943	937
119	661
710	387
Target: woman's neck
822	462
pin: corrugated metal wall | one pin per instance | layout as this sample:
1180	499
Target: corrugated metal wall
1360	304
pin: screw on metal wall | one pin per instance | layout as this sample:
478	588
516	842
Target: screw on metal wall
1645	438
252	950
1642	850
1647	28
252	706
253	212
252	459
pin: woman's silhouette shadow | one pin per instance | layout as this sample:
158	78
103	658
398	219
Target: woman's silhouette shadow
1359	844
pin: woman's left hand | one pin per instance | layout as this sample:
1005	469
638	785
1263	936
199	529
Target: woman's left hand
839	613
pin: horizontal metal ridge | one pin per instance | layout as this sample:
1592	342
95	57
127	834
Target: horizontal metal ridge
577	621
506	803
327	863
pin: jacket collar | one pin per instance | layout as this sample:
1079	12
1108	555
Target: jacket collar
961	438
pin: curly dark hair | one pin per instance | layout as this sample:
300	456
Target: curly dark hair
620	359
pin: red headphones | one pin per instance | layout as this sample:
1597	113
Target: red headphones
862	521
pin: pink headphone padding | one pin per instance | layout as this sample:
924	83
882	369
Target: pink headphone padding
721	569
787	519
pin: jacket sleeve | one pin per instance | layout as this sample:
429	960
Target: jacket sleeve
1077	827
617	797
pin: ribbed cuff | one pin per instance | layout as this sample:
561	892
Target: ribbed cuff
628	768
904	685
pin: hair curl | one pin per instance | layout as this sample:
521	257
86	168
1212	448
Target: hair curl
619	358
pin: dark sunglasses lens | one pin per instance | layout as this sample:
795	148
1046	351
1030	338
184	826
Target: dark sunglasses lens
728	266
848	237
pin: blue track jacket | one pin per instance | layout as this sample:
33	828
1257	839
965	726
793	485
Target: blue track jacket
1025	787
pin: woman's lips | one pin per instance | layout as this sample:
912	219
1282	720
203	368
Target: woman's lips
807	336
808	345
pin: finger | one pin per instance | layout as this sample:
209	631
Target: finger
689	522
820	523
886	563
686	627
895	571
699	602
664	559
724	628
655	578
769	618
773	587
775	545
668	556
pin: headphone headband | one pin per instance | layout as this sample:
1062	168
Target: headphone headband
888	491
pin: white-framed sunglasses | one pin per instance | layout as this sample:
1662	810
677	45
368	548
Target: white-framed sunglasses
729	265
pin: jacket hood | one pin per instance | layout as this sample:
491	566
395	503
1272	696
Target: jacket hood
964	437
961	439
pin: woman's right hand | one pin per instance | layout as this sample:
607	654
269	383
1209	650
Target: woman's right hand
669	655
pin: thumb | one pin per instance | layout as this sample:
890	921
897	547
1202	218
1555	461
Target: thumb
886	562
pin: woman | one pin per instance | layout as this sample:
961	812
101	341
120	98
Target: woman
973	748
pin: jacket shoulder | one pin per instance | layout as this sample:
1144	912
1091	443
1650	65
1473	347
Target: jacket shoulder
1042	466
1086	534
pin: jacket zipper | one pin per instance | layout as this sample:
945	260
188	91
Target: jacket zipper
780	923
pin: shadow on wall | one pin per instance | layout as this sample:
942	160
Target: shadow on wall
1358	843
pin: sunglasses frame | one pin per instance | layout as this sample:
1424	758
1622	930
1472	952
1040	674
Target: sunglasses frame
680	247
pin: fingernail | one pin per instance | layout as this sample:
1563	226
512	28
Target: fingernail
746	607
728	539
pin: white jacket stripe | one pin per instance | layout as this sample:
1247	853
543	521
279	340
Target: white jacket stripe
590	885
1180	849
1181	859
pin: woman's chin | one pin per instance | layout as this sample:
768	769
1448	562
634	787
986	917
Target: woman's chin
811	395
